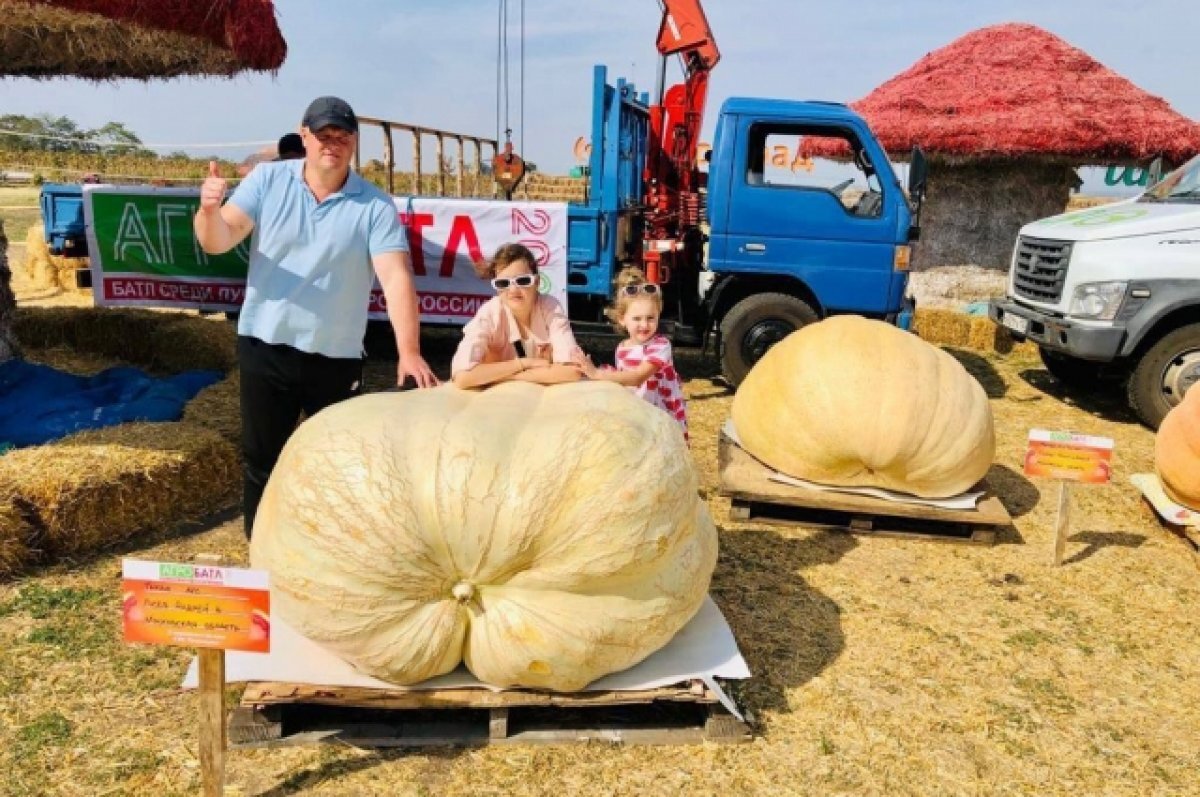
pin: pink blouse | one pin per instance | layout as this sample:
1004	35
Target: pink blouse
489	336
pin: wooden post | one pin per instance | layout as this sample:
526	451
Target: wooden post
478	190
212	712
1062	523
389	159
416	162
441	165
461	167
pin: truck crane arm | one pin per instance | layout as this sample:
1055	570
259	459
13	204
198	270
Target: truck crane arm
671	178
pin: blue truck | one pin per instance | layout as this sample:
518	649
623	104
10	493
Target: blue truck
749	243
769	253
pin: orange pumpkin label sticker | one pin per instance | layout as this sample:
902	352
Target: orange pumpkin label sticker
1071	457
196	606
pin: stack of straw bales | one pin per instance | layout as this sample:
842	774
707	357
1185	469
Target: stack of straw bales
46	270
950	328
97	488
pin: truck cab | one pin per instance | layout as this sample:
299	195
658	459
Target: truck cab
785	240
1113	292
789	245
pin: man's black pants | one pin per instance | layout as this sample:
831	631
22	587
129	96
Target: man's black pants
278	384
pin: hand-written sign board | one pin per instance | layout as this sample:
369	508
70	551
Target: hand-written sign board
1070	457
196	606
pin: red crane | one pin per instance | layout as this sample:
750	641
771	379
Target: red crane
671	178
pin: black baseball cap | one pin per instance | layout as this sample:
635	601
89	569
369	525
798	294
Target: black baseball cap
330	111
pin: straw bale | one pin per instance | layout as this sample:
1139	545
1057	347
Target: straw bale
99	487
218	407
168	342
943	327
16	533
48	270
106	39
973	211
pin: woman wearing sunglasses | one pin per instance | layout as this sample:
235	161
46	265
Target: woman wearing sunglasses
519	334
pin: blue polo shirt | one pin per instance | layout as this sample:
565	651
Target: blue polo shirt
310	264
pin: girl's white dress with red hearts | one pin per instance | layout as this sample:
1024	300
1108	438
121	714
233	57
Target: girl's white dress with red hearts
663	389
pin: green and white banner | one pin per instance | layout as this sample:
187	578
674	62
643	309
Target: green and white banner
144	253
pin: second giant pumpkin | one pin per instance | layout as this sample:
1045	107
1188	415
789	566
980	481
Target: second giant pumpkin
859	403
1177	451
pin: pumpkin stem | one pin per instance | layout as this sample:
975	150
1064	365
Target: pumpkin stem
463	591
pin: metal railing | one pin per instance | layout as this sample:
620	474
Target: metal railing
418	133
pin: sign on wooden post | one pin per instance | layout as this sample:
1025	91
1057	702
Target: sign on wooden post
1068	458
205	606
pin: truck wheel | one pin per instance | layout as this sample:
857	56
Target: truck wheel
1077	373
1165	373
754	325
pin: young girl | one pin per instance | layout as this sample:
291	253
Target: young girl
644	360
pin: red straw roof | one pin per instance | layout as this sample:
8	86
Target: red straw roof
247	29
1018	90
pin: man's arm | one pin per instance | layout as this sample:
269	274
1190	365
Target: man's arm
219	227
395	277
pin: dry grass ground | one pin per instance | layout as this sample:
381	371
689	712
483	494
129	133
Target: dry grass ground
881	667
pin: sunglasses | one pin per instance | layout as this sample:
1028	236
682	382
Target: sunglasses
648	288
523	281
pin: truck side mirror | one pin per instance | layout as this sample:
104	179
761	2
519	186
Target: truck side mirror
918	171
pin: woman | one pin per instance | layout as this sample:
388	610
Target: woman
518	335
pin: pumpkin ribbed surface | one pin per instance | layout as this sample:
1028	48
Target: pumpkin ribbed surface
544	536
853	402
1177	451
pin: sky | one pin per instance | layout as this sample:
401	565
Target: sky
435	64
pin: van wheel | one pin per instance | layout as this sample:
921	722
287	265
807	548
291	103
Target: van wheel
1166	372
754	325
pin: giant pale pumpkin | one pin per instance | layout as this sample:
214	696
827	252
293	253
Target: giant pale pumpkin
858	403
544	536
1177	451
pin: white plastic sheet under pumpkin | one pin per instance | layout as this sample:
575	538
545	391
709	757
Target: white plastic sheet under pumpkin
545	536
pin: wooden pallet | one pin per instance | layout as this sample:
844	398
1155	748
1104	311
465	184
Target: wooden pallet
274	714
754	496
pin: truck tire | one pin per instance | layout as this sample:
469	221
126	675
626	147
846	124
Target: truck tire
754	325
1076	373
1166	371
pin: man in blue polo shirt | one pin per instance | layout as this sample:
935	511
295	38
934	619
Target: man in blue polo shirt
321	233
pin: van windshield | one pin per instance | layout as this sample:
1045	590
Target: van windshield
1181	185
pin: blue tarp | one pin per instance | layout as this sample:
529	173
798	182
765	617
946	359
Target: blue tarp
39	404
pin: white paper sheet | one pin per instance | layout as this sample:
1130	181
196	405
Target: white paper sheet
705	649
1151	487
966	500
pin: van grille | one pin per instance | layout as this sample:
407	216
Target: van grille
1041	268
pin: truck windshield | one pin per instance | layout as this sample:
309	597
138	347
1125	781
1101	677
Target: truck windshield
1181	185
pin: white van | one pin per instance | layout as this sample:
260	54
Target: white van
1113	292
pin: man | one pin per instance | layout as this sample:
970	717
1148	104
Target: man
321	233
290	147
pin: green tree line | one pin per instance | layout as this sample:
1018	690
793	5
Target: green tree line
60	134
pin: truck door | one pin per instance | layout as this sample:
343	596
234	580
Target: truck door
831	224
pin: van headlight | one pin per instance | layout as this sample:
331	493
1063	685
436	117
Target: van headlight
1097	300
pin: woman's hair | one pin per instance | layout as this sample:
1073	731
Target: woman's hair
630	275
505	256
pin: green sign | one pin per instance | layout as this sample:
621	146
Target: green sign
151	233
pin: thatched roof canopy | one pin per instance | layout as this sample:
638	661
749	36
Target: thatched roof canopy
1016	90
141	39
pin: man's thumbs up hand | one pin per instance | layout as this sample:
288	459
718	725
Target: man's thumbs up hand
212	191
